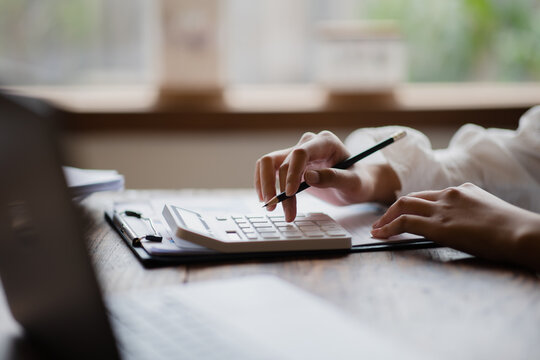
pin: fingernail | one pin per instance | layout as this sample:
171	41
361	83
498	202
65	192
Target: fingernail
375	224
312	177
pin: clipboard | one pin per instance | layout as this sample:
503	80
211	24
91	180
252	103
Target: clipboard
151	253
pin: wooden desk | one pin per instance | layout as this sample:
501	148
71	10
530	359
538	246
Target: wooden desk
445	302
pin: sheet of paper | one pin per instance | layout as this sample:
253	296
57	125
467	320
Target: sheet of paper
357	219
83	182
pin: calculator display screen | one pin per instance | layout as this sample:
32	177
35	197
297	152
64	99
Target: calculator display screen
192	220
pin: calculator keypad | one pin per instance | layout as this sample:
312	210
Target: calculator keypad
274	227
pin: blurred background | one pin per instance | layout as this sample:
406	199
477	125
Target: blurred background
102	43
266	41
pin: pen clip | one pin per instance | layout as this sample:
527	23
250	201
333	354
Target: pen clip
125	228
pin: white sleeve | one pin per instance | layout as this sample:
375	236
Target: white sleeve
504	162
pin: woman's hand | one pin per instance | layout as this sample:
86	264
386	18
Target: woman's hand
469	219
311	160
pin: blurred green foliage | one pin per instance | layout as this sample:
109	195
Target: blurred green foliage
448	40
464	40
51	37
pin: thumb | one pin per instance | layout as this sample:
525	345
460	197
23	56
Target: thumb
344	180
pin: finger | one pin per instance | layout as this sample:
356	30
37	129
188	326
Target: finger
266	173
282	175
289	205
413	224
289	208
268	180
297	165
431	195
345	180
406	205
258	180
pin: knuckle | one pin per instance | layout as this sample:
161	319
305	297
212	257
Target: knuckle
266	160
452	192
403	221
466	186
300	153
402	202
307	136
328	137
326	133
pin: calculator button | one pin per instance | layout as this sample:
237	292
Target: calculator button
262	225
221	218
286	227
248	231
266	230
314	234
304	222
237	217
309	228
292	235
330	227
336	233
273	235
256	221
233	236
244	225
325	222
252	236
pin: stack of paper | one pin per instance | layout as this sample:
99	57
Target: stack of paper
83	182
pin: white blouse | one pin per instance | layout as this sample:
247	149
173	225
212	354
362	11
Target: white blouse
505	163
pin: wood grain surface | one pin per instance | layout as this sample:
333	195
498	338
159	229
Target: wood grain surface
444	302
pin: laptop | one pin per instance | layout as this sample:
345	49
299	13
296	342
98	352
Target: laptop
53	293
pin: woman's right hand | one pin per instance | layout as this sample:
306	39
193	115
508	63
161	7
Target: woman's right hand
311	160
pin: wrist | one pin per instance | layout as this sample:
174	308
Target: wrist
527	240
384	183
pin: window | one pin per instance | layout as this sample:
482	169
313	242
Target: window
266	41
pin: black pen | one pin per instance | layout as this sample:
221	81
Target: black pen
342	165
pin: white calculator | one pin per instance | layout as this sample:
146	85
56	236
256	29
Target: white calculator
257	233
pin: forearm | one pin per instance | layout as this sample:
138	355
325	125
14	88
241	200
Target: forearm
527	241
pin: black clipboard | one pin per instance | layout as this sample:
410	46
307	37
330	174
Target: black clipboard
151	260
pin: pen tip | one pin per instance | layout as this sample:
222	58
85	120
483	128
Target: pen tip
265	205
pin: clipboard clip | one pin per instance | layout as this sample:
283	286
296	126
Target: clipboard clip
130	233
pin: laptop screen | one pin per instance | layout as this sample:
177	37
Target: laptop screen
45	270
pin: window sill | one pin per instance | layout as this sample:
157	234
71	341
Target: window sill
291	106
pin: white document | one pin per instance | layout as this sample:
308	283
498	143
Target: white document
356	219
83	182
